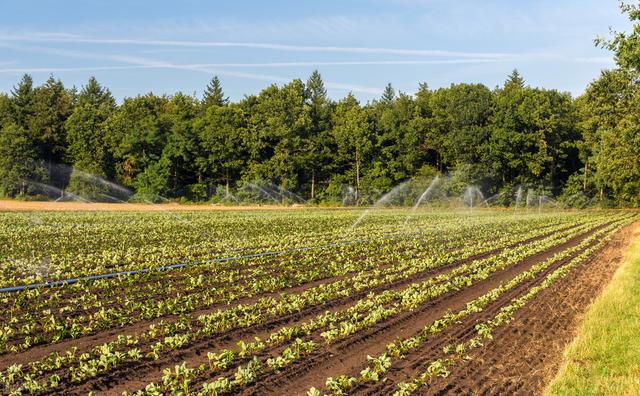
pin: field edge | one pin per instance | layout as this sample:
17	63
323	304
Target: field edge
604	356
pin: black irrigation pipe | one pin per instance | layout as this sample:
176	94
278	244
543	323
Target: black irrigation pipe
71	281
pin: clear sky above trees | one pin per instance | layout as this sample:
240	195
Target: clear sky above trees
134	47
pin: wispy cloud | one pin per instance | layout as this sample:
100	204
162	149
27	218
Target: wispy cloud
70	38
252	76
136	62
25	41
66	69
141	64
345	63
460	57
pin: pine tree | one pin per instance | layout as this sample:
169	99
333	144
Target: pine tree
320	112
52	105
86	138
18	161
22	98
389	94
213	95
316	91
514	80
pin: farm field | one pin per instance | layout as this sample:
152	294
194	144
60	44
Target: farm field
310	301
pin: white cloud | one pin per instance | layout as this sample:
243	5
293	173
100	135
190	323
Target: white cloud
70	38
460	57
140	62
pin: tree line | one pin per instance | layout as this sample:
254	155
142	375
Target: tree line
297	138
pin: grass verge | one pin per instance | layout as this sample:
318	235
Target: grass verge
604	358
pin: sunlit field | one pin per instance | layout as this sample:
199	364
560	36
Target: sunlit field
289	301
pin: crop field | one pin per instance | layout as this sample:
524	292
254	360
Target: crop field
317	301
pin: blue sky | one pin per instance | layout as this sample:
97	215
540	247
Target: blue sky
134	47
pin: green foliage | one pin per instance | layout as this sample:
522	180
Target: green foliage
86	135
294	137
625	45
19	164
610	120
213	94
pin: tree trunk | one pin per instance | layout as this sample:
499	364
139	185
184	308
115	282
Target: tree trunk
282	197
586	170
50	170
357	178
175	180
313	183
226	187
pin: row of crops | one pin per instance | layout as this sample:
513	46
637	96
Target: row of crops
278	322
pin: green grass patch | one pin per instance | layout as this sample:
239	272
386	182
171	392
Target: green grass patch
604	358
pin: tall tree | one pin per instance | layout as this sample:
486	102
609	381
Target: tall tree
280	119
389	94
515	142
317	140
222	133
87	149
625	45
6	110
22	100
52	106
352	134
136	134
533	140
182	148
214	95
430	141
609	123
460	118
19	164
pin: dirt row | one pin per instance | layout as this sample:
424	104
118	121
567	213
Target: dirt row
135	377
145	282
525	355
349	356
327	361
344	357
87	342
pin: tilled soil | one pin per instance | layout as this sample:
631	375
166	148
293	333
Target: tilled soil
520	359
524	355
133	377
91	340
348	356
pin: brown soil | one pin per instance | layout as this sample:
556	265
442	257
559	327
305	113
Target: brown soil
349	356
525	355
134	376
520	360
85	343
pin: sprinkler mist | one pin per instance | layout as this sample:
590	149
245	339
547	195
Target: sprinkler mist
349	196
263	192
61	195
472	196
529	198
272	192
286	194
491	199
519	194
384	199
423	197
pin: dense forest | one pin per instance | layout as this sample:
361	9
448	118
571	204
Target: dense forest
296	138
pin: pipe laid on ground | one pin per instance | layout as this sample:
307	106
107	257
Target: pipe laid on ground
71	281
